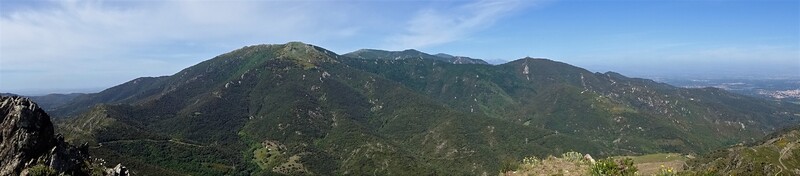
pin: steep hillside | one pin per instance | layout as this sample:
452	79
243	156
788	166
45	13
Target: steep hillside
777	154
294	108
633	115
300	109
129	92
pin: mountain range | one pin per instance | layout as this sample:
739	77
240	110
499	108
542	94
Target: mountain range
296	108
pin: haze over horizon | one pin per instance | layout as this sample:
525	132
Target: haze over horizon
63	46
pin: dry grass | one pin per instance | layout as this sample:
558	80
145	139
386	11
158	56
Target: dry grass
646	164
553	166
652	163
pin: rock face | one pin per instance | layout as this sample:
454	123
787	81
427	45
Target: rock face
27	133
27	140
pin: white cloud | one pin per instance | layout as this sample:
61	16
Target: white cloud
95	43
102	37
438	26
97	26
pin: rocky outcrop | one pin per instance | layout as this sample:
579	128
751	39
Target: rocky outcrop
28	143
118	170
26	133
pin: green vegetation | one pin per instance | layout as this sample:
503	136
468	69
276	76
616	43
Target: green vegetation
570	163
41	170
607	167
625	114
336	115
574	163
658	157
777	154
666	171
658	163
270	155
411	54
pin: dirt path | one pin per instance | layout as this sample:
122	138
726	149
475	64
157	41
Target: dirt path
147	140
783	153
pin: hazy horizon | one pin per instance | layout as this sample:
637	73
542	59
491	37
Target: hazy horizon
48	46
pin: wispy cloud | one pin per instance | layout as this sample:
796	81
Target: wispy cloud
435	26
129	39
99	26
95	43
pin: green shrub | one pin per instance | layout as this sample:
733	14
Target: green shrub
529	163
572	156
509	165
666	171
609	166
41	170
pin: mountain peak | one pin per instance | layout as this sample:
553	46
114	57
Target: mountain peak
411	54
301	48
527	60
299	43
301	53
542	66
304	47
414	51
306	54
443	55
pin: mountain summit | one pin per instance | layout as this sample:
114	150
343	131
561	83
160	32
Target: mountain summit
411	54
300	109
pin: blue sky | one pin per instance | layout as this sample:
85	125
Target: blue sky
69	46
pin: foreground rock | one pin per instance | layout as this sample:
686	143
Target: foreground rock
28	145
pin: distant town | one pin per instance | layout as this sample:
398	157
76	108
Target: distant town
776	89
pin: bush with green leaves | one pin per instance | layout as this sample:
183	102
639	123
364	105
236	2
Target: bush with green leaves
609	167
509	165
529	163
41	170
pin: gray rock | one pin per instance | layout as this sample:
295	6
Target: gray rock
118	170
27	139
26	133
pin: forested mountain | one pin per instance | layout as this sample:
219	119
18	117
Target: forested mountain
300	109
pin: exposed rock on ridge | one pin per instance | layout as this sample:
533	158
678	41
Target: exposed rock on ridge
27	133
27	140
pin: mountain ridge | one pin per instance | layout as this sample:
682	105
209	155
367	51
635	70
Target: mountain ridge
329	110
412	54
